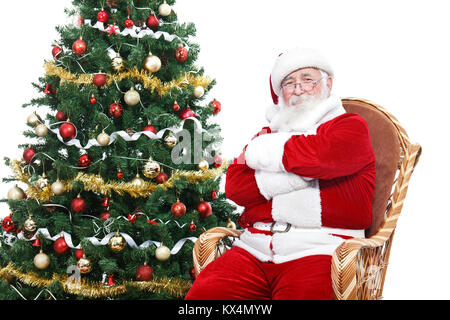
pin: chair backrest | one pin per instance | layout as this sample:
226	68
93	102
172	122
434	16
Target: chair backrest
386	146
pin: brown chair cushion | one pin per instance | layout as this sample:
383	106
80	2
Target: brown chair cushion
386	147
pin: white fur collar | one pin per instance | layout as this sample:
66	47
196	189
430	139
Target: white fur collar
324	111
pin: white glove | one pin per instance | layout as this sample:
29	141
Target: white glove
271	184
266	152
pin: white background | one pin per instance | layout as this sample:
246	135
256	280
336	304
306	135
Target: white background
393	53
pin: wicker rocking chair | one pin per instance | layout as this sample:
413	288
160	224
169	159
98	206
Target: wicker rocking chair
358	265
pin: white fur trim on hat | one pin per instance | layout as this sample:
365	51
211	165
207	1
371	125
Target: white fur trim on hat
295	59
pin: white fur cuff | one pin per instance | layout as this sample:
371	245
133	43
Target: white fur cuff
271	184
266	152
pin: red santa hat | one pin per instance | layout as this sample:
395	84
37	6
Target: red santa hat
292	60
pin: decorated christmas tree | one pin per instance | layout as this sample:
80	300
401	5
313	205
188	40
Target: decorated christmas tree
121	170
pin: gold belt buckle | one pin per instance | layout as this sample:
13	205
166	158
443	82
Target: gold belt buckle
288	227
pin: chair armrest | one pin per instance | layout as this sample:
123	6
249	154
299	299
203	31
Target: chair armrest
358	268
205	246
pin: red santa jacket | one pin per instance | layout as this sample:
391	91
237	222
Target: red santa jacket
335	161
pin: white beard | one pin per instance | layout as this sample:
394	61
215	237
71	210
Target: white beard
304	112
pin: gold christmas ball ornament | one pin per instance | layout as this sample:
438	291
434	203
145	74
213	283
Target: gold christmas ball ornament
117	243
199	92
152	63
164	9
151	169
137	181
103	139
203	165
58	188
41	130
84	265
33	119
132	97
170	140
30	225
117	63
41	261
162	253
15	193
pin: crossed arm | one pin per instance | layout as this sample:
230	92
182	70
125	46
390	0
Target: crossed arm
274	163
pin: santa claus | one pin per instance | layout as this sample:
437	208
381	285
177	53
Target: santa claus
306	182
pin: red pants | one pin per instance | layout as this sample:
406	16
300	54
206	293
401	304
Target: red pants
237	275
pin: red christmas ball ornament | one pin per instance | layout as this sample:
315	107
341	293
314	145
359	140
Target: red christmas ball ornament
56	52
103	16
115	110
119	174
218	161
204	209
93	100
67	131
99	80
8	224
28	155
60	246
192	226
187	113
216	105
61	116
153	22
150	128
178	209
79	47
78	204
144	273
84	161
162	177
176	107
129	23
181	54
79	254
105	215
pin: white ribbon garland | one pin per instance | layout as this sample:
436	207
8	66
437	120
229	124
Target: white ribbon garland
97	242
123	134
136	32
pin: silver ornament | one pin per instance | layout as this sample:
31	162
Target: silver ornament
132	97
16	193
164	9
103	139
41	130
58	188
152	63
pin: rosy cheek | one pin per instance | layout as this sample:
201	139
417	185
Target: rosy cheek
286	98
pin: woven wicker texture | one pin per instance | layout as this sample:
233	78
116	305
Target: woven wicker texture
358	265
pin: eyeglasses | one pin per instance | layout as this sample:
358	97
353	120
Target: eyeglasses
306	85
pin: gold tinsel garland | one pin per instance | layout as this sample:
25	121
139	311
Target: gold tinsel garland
96	184
175	287
148	81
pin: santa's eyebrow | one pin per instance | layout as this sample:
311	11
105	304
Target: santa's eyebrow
302	75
